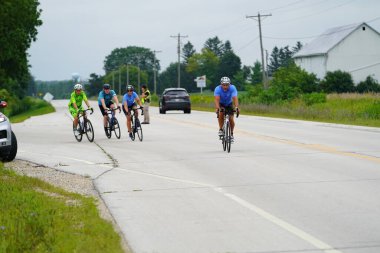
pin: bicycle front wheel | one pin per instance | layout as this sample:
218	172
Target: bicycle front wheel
224	138
228	137
77	132
89	131
108	129
138	129
116	128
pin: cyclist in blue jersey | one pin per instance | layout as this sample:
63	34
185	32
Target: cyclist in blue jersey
129	103
225	96
105	102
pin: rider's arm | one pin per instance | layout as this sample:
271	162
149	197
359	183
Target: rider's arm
236	101
103	104
139	102
217	102
125	104
116	100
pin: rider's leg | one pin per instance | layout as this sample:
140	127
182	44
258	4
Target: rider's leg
232	123
129	123
75	121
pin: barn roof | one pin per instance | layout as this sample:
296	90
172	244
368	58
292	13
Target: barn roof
327	40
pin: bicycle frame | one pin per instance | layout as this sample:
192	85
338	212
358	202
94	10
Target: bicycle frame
227	130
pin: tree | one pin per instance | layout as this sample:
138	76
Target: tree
215	45
132	55
95	85
369	85
188	51
205	63
257	76
337	81
274	61
282	57
19	20
296	78
229	65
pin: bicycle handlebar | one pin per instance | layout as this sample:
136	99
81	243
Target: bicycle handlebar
224	110
139	108
88	109
114	109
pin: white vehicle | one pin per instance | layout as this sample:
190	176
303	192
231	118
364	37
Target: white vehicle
8	141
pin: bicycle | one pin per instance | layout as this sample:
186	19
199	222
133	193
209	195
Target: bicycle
227	131
136	125
84	126
112	123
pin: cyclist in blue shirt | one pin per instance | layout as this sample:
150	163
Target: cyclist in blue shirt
225	96
105	102
129	103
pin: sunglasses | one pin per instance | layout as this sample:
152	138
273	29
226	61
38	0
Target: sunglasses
226	84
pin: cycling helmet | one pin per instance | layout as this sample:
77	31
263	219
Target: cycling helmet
225	79
130	88
78	86
106	86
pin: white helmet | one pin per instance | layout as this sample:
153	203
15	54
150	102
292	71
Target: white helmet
78	86
225	79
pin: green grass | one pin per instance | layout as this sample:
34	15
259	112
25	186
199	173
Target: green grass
48	108
350	109
38	217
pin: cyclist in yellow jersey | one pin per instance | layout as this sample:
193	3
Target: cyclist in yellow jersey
75	104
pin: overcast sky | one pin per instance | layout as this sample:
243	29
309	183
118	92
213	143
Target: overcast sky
77	35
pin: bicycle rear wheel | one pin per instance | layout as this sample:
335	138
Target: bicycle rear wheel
116	128
89	130
138	129
228	137
77	132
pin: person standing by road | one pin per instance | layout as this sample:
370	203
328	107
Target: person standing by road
105	102
145	99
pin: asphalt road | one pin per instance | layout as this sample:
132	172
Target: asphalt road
287	186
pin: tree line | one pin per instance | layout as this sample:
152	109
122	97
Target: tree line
136	65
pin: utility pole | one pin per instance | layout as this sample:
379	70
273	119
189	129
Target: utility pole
155	70
179	57
138	73
261	46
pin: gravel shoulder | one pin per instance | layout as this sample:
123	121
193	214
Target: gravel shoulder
69	182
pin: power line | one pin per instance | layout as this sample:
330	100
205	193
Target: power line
313	14
284	6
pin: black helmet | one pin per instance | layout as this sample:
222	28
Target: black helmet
130	88
106	86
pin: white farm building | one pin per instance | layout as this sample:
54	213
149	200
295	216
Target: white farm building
352	48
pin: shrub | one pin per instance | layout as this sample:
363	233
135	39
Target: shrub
337	81
314	98
369	85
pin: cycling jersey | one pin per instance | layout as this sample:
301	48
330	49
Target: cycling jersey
77	99
107	97
225	96
129	99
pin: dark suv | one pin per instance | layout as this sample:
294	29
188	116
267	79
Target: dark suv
8	141
175	99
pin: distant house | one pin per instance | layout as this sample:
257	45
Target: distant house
352	48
